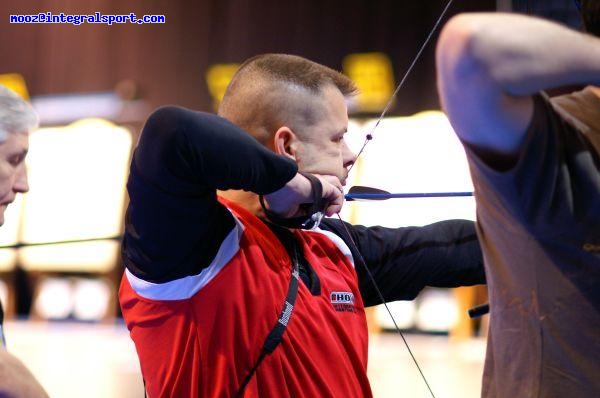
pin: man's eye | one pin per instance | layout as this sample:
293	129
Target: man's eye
16	160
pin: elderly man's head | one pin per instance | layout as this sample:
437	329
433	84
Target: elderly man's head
17	119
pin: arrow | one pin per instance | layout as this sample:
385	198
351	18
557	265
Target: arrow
367	193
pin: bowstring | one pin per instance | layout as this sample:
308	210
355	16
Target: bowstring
368	138
384	302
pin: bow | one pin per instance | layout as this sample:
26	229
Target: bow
368	138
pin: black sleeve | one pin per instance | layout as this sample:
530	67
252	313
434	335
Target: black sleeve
174	225
405	260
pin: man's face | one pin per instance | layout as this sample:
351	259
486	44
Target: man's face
321	148
13	175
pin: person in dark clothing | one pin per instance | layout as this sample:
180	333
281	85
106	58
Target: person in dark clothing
535	163
208	275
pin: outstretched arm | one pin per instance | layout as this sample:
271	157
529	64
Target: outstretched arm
405	260
489	65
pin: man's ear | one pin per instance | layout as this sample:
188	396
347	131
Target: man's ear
285	142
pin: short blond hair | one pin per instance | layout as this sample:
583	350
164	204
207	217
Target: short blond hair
271	90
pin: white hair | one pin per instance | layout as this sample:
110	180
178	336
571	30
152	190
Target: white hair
16	115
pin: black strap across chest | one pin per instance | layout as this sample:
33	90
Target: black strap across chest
276	334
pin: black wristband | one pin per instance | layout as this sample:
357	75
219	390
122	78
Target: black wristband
314	210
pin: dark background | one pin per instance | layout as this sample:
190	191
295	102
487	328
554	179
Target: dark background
168	61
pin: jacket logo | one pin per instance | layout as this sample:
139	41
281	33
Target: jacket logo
342	301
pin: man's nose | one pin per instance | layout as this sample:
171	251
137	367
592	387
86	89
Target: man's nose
21	184
348	156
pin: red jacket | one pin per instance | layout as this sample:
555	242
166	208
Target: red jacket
199	336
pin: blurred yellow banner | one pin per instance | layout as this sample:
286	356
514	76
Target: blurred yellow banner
374	77
16	83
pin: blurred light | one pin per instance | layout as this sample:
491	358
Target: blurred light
92	298
419	153
16	83
54	299
374	77
71	257
402	311
77	176
65	108
218	77
437	310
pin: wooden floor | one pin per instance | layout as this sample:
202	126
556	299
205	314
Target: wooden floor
74	360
